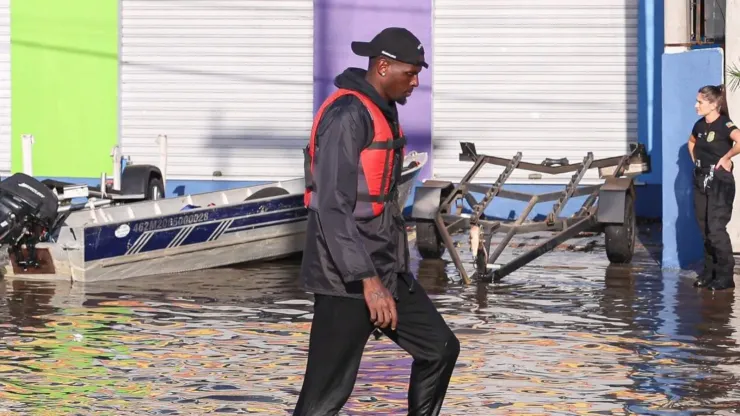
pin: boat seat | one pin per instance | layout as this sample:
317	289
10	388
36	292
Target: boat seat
267	193
59	187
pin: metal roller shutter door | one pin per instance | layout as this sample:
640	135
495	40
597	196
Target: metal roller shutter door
549	78
230	82
5	87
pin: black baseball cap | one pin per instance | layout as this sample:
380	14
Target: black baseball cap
396	43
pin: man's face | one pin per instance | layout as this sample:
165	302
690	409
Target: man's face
400	80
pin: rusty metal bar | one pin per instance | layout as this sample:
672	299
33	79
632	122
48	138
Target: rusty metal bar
564	227
582	225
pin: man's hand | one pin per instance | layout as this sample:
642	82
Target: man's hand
380	303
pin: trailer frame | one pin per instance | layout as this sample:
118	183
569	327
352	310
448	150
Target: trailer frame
609	207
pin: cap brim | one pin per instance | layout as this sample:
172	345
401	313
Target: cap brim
416	62
363	49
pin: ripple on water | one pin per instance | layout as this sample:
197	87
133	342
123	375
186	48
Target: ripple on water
568	334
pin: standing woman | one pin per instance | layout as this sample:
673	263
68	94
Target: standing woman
713	142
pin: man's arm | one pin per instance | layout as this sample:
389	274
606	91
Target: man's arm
341	135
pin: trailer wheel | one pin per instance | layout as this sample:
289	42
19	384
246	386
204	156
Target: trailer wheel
620	238
154	189
428	241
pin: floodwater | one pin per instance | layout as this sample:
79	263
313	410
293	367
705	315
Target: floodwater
565	335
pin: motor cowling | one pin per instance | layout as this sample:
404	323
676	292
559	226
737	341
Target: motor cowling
27	210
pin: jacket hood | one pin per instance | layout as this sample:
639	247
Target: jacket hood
354	79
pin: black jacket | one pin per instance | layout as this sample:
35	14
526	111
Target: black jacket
340	250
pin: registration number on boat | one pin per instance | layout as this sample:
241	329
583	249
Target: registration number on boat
161	223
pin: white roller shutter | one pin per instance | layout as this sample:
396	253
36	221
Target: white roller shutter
230	82
5	87
548	78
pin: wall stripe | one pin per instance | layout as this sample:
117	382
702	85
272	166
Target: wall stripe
64	84
4	87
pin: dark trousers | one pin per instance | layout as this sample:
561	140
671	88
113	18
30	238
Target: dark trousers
713	207
339	332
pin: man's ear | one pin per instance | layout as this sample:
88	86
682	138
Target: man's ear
383	67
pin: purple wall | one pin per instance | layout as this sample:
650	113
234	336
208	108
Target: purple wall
339	22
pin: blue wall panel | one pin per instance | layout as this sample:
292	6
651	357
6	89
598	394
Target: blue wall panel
683	75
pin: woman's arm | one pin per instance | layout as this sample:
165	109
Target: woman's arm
692	143
735	137
726	160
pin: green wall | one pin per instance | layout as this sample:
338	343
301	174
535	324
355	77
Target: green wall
64	63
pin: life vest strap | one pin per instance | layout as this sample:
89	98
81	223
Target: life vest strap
307	173
375	198
389	144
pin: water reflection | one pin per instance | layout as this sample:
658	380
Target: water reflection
568	334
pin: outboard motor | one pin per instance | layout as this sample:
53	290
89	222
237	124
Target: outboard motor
28	209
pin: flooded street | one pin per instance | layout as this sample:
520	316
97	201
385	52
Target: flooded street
568	334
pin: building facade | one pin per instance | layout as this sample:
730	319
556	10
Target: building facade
234	84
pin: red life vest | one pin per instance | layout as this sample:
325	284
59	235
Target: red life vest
376	168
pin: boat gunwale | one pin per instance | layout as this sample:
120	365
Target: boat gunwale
189	211
413	156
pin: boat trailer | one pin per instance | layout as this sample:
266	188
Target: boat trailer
609	207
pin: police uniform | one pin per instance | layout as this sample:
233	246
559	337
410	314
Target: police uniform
714	192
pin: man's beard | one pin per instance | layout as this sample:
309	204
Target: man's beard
401	101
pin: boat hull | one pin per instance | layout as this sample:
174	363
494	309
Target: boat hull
195	232
262	244
189	240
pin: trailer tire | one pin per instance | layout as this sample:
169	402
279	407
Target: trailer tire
429	243
154	189
620	238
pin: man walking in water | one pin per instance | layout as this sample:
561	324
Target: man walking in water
355	260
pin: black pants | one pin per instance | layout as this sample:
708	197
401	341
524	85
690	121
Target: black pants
340	330
713	207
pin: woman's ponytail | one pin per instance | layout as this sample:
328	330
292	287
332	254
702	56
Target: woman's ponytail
722	101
